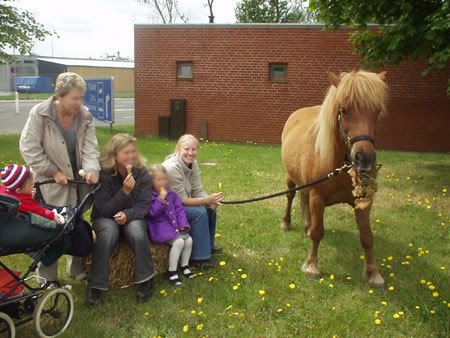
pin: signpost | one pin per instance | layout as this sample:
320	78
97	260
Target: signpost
99	98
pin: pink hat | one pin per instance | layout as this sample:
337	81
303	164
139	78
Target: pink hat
13	176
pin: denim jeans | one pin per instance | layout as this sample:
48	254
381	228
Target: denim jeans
107	233
203	230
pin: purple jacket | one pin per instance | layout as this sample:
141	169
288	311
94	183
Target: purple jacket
164	220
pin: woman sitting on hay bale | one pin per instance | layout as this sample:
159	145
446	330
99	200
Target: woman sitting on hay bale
184	177
120	207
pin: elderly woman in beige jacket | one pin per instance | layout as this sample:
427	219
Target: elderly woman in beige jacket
58	140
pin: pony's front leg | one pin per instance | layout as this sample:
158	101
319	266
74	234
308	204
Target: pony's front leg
316	232
371	273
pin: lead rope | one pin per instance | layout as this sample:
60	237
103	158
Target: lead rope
333	173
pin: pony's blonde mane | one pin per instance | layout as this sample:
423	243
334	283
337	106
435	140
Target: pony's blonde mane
360	89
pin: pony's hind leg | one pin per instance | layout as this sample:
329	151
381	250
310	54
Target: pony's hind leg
371	273
316	232
305	212
286	224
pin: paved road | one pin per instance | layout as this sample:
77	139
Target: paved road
11	123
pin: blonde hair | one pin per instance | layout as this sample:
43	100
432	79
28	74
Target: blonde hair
183	139
156	168
114	145
67	81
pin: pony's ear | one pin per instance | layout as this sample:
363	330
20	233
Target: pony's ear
334	79
382	75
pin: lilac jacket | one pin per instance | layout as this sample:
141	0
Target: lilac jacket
164	220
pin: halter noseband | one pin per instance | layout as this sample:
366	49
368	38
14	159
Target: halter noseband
349	142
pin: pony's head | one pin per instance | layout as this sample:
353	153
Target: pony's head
350	112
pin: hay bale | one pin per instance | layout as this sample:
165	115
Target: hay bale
121	263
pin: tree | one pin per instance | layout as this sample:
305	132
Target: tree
18	30
211	13
272	11
167	11
409	29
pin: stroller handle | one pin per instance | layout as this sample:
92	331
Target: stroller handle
70	181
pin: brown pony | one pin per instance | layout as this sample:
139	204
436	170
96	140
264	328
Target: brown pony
315	141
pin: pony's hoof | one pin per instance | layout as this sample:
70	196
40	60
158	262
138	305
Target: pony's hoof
308	230
375	280
311	270
285	226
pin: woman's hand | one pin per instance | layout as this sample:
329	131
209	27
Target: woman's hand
91	178
215	199
128	184
60	178
120	218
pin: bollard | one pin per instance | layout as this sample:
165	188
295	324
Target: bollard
17	102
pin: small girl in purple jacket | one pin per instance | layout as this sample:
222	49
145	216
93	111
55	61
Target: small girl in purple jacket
168	224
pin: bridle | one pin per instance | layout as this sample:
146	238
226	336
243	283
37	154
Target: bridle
349	142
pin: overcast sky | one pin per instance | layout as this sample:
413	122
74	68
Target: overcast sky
93	28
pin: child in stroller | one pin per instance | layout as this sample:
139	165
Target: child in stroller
18	182
44	234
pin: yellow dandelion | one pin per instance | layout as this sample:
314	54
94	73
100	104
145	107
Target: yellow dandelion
279	310
244	276
377	220
448	305
396	315
431	287
417	307
435	294
331	285
361	257
401	313
235	287
199	327
331	276
432	312
288	305
390	258
377	321
423	281
222	263
383	303
199	300
185	328
220	185
292	286
370	291
146	314
321	280
391	274
262	292
391	288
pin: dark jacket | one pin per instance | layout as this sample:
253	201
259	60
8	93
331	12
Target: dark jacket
165	218
110	198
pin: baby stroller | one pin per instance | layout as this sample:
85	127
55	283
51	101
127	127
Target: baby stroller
50	307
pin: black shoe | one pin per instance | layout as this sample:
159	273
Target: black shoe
217	250
204	264
93	296
144	290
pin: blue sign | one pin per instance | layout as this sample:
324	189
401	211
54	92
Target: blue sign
99	99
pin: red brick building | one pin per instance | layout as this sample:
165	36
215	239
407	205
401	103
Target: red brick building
244	80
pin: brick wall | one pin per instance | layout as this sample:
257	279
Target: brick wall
232	92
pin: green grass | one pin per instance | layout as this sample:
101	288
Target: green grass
43	96
255	246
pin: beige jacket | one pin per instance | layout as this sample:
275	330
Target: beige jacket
183	180
44	150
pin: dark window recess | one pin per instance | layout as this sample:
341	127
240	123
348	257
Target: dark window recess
185	70
278	72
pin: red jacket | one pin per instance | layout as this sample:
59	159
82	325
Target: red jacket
28	204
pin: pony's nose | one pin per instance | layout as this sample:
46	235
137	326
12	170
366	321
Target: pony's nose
364	161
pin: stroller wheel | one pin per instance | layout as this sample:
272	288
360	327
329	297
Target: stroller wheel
53	313
7	328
